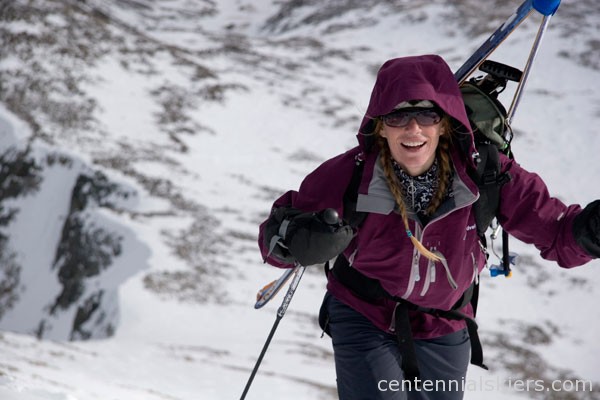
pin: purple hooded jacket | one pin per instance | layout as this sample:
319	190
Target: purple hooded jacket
381	249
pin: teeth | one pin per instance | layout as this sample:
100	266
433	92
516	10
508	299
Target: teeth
413	144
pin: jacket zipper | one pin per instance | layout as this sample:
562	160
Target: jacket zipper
475	270
419	234
414	272
429	278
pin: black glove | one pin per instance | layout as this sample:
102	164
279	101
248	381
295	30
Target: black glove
586	228
308	238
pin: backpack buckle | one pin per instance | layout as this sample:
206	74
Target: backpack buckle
489	178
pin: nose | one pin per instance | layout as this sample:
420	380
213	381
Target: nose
412	125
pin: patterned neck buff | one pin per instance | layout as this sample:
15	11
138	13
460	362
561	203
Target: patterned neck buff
419	190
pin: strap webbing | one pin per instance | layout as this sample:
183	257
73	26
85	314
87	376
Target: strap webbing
476	349
371	290
351	216
406	343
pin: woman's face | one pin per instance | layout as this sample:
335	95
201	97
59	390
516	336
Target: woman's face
413	146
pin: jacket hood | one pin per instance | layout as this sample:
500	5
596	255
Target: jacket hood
426	77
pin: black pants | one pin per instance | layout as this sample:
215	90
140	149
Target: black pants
367	360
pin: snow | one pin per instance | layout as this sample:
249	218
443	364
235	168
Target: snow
170	348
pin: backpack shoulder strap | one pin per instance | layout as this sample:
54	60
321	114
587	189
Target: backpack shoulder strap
489	179
351	216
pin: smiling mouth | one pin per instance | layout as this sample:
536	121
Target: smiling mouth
413	145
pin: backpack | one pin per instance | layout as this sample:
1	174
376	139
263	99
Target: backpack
492	135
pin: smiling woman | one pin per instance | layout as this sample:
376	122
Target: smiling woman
398	303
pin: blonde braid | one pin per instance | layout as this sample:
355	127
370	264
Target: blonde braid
445	167
395	188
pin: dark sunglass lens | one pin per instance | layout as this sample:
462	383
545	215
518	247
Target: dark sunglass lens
428	117
396	119
402	118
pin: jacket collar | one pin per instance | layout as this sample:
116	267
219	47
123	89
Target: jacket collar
375	196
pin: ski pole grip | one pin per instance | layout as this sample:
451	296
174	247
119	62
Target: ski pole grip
330	216
546	7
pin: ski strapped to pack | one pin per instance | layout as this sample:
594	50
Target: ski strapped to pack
547	8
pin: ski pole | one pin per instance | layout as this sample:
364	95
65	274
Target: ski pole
547	8
298	272
532	54
331	217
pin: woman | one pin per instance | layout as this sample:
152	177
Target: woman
396	306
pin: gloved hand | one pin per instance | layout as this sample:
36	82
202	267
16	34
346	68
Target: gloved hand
586	228
306	237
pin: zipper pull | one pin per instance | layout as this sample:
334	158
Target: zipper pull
415	266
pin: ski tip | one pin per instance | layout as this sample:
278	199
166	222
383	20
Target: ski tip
546	7
261	302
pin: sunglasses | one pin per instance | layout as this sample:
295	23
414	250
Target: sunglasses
401	118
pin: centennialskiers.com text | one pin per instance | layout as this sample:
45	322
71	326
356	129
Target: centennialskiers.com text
487	385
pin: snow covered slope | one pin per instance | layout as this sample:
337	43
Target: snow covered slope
145	140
